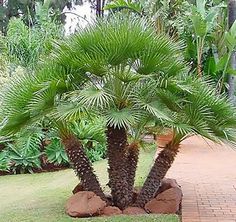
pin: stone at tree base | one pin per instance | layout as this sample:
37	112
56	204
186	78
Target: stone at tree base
85	204
110	211
167	202
166	184
78	188
134	211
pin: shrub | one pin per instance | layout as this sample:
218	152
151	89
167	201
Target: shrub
23	160
56	153
4	161
91	133
97	152
23	150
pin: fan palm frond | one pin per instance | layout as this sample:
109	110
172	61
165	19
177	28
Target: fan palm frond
94	97
124	118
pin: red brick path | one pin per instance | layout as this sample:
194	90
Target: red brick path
207	174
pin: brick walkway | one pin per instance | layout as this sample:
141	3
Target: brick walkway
207	174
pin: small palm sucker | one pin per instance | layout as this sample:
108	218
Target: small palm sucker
132	162
162	164
82	165
117	159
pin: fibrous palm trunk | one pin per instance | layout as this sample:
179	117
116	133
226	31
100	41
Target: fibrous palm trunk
82	165
162	164
132	161
117	141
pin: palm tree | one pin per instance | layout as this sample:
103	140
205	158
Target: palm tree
121	70
30	97
200	113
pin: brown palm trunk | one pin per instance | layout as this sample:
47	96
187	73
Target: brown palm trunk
82	165
117	141
132	162
162	164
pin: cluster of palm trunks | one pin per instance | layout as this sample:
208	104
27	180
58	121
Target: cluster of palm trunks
122	161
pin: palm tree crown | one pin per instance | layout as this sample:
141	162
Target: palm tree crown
120	69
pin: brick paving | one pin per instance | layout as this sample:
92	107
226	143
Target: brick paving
207	175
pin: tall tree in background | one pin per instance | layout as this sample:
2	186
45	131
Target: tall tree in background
232	18
99	8
27	9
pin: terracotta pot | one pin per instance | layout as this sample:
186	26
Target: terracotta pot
164	139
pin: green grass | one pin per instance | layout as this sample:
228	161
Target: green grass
41	197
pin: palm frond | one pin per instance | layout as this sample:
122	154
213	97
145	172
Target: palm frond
123	118
94	97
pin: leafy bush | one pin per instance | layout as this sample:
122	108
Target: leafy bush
4	162
91	132
56	153
97	152
23	150
23	160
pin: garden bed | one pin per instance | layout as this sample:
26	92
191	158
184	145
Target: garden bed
43	196
48	168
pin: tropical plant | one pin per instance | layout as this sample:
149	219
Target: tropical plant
4	161
27	45
90	130
122	70
23	150
166	15
201	25
55	152
23	160
97	152
28	10
91	133
199	112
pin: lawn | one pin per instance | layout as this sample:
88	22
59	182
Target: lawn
41	197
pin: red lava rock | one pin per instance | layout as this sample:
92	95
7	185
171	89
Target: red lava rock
85	204
167	202
78	188
110	211
134	211
166	184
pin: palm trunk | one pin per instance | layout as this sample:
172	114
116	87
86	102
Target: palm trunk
132	161
162	164
82	165
117	140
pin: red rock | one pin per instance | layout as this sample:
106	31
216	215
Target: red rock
166	184
167	202
85	204
78	188
109	211
134	211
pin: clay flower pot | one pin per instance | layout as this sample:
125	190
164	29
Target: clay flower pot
163	139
